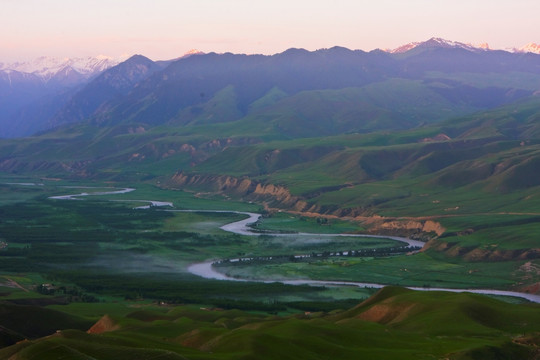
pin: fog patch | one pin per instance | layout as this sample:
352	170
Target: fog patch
132	262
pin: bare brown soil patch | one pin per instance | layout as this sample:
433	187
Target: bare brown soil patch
387	313
13	284
105	324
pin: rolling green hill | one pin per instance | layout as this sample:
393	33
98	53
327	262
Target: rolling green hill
394	323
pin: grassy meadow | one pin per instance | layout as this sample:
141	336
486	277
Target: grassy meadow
66	239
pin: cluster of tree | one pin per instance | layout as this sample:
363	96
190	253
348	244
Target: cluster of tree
71	293
323	221
280	259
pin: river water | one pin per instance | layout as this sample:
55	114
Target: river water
76	196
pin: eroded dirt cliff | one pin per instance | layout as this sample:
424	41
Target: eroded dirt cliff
276	197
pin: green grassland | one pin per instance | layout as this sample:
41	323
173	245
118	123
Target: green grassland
285	222
394	323
66	238
133	253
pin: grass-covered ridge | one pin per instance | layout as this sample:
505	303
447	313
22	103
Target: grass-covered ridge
394	323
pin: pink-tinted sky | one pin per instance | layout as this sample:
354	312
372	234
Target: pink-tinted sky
165	29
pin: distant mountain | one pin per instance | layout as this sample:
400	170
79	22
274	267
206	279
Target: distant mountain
17	91
442	56
192	81
31	92
15	82
529	48
193	52
112	83
48	68
435	42
438	43
192	90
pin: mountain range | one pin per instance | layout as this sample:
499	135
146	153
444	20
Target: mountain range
185	90
439	42
48	67
32	90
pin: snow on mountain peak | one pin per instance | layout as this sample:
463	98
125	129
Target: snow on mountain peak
483	46
439	42
47	67
193	52
530	48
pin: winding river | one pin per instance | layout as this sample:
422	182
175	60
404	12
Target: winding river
206	270
77	196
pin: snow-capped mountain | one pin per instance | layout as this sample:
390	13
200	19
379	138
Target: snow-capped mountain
529	48
440	43
47	68
192	52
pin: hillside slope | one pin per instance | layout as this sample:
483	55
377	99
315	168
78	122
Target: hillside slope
394	323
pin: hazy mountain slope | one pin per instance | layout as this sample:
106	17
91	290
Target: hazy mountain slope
184	90
31	92
112	83
192	81
222	107
36	116
391	104
437	58
17	90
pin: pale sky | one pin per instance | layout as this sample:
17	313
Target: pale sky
166	29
